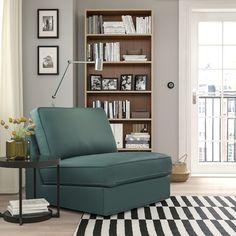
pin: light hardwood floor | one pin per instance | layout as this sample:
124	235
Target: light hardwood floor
66	224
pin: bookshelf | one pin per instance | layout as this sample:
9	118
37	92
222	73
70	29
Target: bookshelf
111	46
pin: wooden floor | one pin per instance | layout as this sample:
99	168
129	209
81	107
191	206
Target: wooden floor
66	224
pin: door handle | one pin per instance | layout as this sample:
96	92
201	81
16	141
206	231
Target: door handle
194	97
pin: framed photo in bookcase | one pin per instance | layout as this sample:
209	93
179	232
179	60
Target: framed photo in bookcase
123	38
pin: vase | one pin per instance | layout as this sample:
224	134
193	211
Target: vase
17	149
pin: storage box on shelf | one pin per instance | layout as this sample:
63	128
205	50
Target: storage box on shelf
124	40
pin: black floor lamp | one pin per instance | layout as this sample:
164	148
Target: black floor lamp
98	67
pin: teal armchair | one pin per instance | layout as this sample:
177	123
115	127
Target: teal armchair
94	177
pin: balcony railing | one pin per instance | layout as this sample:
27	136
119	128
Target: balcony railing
217	128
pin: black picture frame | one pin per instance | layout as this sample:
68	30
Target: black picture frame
48	23
126	82
109	83
48	60
95	82
140	82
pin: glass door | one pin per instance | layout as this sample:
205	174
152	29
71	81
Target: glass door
214	68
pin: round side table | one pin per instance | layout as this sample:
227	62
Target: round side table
33	162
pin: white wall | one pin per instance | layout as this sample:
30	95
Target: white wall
165	64
39	89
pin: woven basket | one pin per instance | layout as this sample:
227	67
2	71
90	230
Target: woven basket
180	172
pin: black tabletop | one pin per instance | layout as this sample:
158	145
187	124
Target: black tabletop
32	162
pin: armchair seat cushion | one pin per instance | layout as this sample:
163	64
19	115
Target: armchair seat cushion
109	169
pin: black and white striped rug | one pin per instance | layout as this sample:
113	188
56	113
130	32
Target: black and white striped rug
176	216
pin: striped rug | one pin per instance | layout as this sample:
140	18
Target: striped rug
179	215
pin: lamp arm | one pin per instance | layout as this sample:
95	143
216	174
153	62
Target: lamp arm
63	76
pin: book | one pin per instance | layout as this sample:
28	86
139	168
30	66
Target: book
38	202
138	146
117	130
29	206
14	212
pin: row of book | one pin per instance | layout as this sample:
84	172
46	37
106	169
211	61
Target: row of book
29	206
137	140
144	25
114	109
96	25
105	51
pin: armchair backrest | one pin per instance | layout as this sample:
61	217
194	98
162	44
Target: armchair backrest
68	132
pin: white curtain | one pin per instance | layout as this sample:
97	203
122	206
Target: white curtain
11	85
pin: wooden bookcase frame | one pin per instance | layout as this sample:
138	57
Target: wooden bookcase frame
139	99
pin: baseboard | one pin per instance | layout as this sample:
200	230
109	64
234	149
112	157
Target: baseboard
214	175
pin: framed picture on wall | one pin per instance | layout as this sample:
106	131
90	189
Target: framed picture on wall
48	60
48	23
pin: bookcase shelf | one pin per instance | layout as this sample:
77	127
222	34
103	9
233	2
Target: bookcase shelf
134	149
119	92
131	36
132	100
131	119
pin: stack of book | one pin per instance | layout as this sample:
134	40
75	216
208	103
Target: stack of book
105	51
135	57
137	140
29	206
95	24
143	25
114	27
115	109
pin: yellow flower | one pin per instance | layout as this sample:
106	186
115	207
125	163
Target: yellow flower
21	126
23	119
32	126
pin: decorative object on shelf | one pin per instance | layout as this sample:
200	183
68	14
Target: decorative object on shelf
48	23
95	82
134	51
180	172
110	84
140	114
48	60
140	82
140	128
19	128
98	67
126	82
